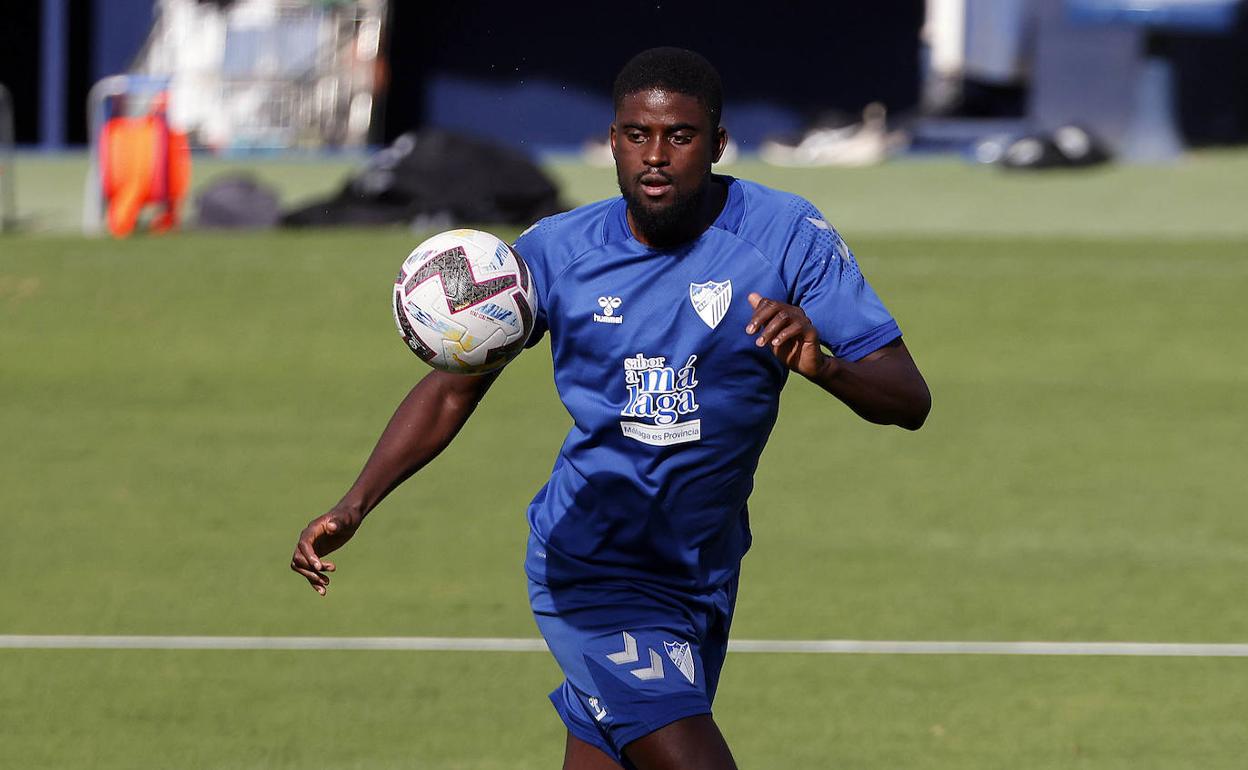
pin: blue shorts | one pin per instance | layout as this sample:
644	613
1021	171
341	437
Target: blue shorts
635	656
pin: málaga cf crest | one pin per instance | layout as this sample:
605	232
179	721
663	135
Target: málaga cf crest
711	300
681	656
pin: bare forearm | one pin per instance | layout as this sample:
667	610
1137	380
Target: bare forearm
884	388
422	426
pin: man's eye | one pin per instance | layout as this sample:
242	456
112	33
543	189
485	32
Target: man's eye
636	137
682	139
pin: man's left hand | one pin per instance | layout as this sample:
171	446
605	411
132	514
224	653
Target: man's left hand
789	334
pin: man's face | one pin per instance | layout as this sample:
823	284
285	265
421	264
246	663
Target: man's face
664	145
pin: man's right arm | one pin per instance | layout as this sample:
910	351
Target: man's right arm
423	425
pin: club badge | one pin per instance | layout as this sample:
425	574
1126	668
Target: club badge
710	300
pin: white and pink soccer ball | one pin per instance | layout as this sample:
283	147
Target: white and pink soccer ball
464	302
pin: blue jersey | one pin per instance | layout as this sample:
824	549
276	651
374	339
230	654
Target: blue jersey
671	401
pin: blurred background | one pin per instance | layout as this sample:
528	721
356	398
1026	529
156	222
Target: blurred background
203	205
1030	84
349	74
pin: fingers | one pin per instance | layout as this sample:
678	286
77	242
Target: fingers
782	321
779	322
324	535
308	564
308	553
319	582
787	331
790	332
764	311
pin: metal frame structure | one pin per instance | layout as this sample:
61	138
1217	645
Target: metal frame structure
8	181
277	74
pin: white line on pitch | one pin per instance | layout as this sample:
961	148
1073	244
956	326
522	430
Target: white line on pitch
848	646
459	644
426	643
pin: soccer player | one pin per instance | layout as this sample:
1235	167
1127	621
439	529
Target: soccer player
675	314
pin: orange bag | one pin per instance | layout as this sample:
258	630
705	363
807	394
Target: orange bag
143	162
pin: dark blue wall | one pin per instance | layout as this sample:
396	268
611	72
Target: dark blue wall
19	64
89	40
119	30
541	73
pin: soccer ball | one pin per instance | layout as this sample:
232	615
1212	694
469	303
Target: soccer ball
464	302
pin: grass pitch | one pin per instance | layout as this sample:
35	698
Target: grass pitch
175	409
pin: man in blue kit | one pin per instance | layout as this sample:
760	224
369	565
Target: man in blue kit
675	313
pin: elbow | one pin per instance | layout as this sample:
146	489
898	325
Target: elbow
914	423
921	407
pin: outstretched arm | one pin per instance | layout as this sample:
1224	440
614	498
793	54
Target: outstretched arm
884	387
423	425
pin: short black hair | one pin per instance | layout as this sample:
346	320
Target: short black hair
672	69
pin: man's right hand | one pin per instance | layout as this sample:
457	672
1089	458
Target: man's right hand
323	535
429	417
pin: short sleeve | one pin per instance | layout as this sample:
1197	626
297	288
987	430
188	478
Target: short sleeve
531	246
827	284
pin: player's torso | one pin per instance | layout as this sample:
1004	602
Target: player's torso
652	345
671	403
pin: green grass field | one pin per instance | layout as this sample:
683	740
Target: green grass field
175	409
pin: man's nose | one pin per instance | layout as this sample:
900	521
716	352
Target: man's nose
655	155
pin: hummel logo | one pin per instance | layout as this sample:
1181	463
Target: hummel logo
629	655
842	251
609	305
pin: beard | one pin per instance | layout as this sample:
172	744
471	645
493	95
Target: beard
663	223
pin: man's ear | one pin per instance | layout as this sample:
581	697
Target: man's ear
612	139
721	141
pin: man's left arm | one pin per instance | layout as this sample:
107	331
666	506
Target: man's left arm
883	387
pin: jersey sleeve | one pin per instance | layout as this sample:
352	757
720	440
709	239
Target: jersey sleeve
532	248
827	284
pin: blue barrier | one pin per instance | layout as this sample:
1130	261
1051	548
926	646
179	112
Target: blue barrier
53	73
1153	134
1207	16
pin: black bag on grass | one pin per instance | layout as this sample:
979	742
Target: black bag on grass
237	201
438	176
